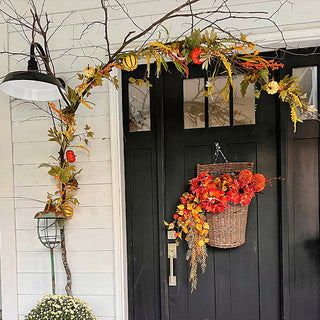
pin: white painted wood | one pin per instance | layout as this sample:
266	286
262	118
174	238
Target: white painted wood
7	214
76	240
38	152
37	130
95	262
94	172
83	284
84	217
118	199
22	112
89	196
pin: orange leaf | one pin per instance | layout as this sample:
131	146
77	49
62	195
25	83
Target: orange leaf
82	147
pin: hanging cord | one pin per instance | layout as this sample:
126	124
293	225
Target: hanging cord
217	152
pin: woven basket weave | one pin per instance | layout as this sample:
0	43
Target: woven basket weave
228	228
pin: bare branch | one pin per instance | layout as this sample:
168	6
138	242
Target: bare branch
106	27
167	16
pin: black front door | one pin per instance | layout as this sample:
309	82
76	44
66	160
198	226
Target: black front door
164	141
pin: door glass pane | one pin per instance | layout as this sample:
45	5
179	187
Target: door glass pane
308	81
193	103
243	107
219	111
139	107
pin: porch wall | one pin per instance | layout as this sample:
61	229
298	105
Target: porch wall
24	145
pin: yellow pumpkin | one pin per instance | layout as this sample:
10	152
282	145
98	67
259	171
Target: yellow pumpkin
89	71
68	210
130	62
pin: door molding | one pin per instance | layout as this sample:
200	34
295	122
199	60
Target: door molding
118	201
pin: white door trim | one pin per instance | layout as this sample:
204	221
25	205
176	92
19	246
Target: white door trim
118	201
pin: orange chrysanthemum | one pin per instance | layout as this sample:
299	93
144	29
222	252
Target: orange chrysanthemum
245	177
258	182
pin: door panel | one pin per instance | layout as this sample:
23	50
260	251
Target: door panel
306	230
230	289
277	266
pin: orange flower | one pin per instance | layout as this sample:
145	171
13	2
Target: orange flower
258	182
245	177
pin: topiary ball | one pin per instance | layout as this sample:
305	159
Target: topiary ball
60	307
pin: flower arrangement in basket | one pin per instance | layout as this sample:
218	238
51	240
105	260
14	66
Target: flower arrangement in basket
214	211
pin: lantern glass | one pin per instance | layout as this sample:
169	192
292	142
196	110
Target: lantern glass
50	231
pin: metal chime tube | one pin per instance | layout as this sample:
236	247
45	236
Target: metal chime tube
52	272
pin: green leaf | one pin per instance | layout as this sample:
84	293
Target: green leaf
195	39
42	165
264	75
257	94
244	86
165	29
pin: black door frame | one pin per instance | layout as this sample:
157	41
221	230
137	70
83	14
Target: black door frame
285	200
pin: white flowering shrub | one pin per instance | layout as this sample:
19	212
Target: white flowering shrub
60	307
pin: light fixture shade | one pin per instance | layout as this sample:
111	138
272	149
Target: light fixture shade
31	85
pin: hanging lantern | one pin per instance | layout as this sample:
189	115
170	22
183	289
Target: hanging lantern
50	229
130	62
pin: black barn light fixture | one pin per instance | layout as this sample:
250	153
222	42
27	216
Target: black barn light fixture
33	84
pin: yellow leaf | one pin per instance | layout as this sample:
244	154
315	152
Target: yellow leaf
86	104
116	82
177	243
201	243
185	230
206	225
171	226
206	240
204	232
165	223
189	206
199	226
180	207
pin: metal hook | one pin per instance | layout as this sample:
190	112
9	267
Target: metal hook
217	152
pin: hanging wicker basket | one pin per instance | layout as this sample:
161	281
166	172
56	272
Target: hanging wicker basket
228	228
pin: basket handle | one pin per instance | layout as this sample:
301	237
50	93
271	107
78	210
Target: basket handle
217	152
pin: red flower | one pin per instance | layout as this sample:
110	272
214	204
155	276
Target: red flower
258	182
241	194
196	55
199	184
